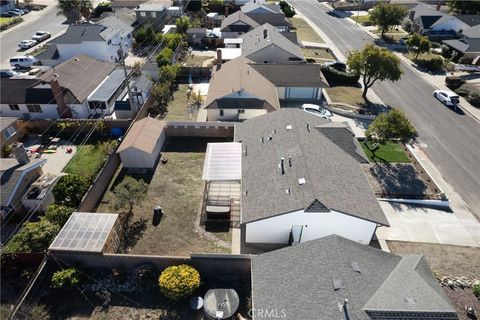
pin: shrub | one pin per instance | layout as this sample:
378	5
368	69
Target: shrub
335	76
465	60
58	214
177	282
446	51
476	290
33	237
10	22
66	278
454	82
69	190
145	275
474	99
435	64
164	57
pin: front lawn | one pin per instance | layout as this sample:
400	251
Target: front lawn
304	31
361	19
389	152
5	20
320	55
90	158
348	95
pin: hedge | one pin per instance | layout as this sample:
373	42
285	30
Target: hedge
435	64
10	23
334	76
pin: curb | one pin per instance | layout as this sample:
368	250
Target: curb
433	203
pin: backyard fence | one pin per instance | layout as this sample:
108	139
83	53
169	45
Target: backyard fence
195	72
199	129
70	126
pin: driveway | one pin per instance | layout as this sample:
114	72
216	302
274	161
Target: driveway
420	224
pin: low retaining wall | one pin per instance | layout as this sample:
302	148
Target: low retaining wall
348	114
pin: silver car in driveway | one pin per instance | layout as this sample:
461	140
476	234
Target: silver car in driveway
317	111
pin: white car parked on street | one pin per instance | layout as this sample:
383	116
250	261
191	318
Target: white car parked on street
317	110
448	98
41	36
26	44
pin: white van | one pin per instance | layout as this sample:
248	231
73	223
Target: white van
22	62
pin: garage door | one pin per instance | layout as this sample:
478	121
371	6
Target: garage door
301	93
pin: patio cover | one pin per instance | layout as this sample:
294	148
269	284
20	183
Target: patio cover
223	161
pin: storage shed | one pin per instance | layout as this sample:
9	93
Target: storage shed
89	232
142	144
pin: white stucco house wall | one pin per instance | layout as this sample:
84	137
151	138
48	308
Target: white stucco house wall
302	180
141	146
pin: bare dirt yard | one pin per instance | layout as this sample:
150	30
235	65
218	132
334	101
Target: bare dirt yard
451	261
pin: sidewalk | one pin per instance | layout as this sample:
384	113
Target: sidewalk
32	16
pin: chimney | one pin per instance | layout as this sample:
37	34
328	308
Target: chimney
289	161
265	33
63	109
219	57
20	153
282	166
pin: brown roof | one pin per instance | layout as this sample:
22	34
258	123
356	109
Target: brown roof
67	73
236	79
143	135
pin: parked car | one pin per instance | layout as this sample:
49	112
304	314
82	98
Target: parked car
448	98
13	13
26	44
338	65
8	73
317	110
41	36
22	62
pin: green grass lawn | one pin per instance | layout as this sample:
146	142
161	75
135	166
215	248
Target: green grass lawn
304	31
348	95
389	152
4	20
360	19
178	109
90	158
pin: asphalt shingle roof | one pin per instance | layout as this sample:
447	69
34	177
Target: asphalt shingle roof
300	281
238	16
331	175
293	75
464	45
14	91
79	33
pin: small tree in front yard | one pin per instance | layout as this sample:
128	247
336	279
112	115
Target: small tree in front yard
374	63
177	282
129	193
386	15
418	44
65	279
391	125
288	10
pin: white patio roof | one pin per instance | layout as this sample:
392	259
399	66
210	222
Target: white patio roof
223	161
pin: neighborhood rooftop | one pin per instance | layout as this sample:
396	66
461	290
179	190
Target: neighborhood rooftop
319	169
143	135
292	75
334	278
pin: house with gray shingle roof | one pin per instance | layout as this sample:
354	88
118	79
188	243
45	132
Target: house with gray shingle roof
334	278
101	41
302	180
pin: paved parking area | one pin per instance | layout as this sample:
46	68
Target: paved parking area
420	224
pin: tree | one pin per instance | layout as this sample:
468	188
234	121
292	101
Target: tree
386	15
86	8
182	24
70	9
70	190
287	9
66	278
177	282
374	63
418	44
58	214
129	192
391	125
164	57
168	73
464	7
194	6
33	237
162	95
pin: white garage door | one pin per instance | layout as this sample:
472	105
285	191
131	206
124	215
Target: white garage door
301	93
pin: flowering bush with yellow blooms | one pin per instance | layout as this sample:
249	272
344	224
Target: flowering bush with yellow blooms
177	282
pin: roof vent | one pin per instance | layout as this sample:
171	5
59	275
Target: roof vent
356	267
338	284
76	59
287	191
289	127
411	301
301	181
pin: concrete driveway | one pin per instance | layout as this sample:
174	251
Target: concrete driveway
419	224
358	125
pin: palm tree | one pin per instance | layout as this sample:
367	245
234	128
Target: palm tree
86	8
70	9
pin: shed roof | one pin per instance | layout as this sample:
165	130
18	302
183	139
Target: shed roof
301	280
330	174
223	161
143	135
84	232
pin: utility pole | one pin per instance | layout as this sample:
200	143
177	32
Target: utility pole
130	97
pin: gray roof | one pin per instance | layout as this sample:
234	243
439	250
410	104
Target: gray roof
50	53
14	91
332	175
78	33
293	75
238	16
473	32
265	13
114	25
464	45
109	85
423	9
254	41
300	280
342	135
10	174
126	15
470	19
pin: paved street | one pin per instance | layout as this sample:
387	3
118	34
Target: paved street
47	20
452	139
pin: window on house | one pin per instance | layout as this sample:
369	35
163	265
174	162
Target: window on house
143	14
34	108
14	107
10	131
221	113
153	14
241	111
